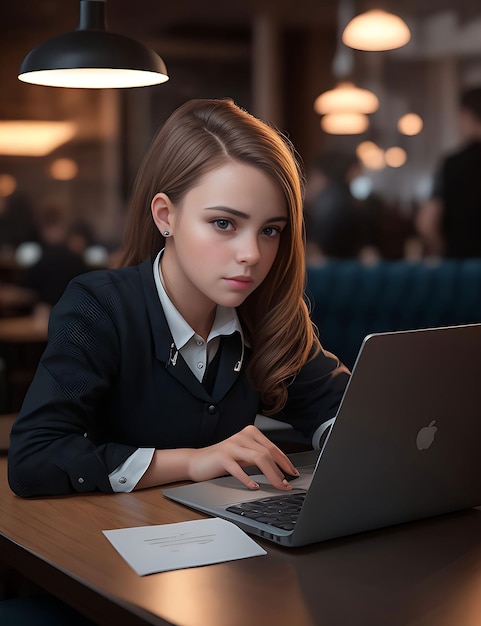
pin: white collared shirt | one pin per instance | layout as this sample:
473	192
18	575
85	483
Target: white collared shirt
195	350
197	353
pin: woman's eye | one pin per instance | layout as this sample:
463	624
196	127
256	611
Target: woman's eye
271	231
223	224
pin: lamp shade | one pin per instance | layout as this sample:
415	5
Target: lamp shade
344	123
346	97
92	57
376	30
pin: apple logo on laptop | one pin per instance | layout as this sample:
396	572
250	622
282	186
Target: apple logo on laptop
425	436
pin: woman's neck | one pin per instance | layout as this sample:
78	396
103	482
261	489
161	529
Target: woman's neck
197	312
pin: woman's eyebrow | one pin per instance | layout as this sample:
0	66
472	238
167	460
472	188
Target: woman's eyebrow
243	215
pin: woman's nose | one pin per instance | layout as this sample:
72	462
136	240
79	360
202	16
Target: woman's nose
248	251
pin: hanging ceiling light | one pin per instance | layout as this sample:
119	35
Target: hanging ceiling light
346	97
8	184
345	123
395	156
371	155
63	169
34	138
376	30
92	57
410	124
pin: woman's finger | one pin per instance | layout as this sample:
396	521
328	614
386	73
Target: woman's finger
282	460
262	459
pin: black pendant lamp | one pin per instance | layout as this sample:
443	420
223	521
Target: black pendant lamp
91	57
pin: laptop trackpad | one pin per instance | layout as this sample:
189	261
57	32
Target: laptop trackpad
227	490
302	482
220	492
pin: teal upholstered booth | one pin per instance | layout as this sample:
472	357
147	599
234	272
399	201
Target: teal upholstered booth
350	300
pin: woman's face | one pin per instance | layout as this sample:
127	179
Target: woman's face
224	239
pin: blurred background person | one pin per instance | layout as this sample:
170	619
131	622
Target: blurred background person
450	221
80	237
59	260
338	225
81	240
17	223
331	220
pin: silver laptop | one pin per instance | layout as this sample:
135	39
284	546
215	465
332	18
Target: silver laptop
405	445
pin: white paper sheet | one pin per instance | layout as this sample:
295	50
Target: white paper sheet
152	549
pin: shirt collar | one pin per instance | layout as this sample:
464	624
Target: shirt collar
226	320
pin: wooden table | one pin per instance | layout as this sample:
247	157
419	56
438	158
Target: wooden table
426	573
6	423
24	329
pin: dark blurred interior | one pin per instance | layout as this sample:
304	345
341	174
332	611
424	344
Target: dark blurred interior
272	57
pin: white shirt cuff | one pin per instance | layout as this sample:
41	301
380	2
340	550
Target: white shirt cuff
127	475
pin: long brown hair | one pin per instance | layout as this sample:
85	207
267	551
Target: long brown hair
198	137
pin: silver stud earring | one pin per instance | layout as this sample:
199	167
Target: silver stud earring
166	233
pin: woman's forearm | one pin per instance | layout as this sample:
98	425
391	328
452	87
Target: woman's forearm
167	466
247	447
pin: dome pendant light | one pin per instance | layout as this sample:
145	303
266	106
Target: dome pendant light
91	57
346	97
376	30
345	123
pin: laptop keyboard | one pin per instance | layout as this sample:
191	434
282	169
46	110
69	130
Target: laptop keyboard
279	511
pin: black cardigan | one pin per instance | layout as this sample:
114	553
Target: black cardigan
106	385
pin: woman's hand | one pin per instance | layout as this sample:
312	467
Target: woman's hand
247	447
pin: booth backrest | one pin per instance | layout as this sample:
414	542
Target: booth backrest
350	300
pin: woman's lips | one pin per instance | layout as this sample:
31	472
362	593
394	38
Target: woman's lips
240	282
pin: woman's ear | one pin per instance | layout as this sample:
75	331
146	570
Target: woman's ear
162	213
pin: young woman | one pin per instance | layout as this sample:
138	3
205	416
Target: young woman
154	372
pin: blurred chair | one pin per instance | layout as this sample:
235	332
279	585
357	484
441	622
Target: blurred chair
350	300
